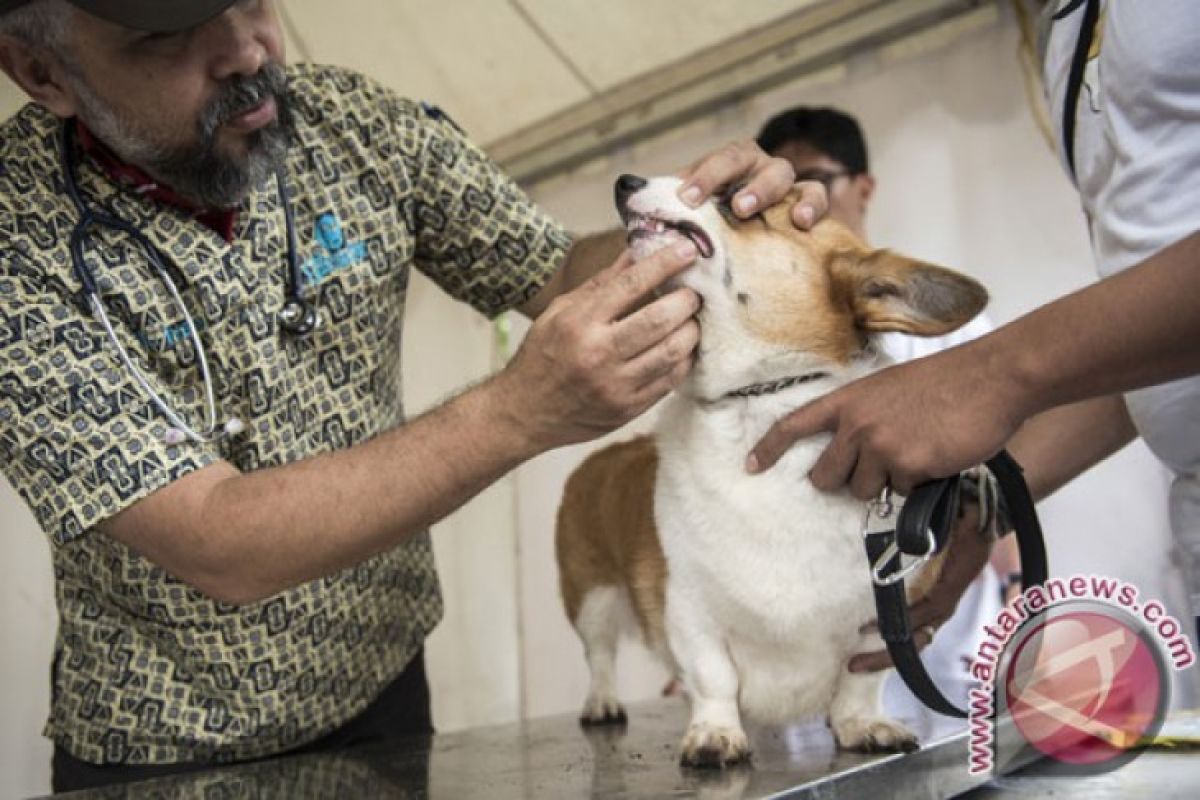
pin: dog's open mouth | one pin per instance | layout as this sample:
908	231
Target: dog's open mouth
643	226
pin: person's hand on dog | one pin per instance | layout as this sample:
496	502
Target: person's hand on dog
763	181
602	354
903	426
966	555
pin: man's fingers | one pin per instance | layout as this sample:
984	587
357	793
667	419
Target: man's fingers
922	636
928	616
812	205
663	358
623	262
870	662
731	163
812	418
624	285
881	659
654	391
772	180
835	465
868	478
921	614
652	323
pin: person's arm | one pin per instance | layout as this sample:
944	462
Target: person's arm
929	418
585	368
1053	449
1061	443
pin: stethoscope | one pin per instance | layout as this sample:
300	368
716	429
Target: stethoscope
297	316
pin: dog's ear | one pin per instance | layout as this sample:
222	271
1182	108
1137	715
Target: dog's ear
890	292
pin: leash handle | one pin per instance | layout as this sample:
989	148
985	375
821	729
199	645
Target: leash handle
933	507
1031	542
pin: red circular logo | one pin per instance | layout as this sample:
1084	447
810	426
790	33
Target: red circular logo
1084	687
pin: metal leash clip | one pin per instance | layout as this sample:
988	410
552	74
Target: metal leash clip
881	517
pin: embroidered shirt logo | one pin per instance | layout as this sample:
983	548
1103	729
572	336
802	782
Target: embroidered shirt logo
335	252
168	337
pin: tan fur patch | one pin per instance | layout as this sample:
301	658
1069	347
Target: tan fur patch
606	534
823	290
787	273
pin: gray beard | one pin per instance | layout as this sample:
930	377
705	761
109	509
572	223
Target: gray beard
199	172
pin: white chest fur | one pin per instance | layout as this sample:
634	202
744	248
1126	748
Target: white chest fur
765	564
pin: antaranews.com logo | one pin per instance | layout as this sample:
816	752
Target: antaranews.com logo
1080	668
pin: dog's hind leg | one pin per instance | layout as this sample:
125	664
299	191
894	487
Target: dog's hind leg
602	615
857	719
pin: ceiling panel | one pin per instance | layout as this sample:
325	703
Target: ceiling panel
477	59
527	78
612	41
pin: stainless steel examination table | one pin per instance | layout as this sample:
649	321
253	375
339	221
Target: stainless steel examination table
555	759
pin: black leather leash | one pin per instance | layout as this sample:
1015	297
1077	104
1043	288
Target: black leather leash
922	529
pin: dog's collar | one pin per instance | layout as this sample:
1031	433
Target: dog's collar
772	387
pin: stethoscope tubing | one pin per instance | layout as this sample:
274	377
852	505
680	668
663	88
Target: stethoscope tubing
298	317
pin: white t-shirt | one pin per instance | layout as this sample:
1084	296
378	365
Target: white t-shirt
1137	157
902	347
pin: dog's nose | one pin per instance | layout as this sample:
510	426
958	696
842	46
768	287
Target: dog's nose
627	185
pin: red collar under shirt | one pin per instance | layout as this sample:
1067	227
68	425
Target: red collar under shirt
220	220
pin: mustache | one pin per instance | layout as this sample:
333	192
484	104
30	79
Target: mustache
242	94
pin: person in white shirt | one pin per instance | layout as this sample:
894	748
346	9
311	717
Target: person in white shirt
1072	379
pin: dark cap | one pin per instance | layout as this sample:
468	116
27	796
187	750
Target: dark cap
154	16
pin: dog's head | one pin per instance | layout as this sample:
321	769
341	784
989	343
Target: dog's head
821	292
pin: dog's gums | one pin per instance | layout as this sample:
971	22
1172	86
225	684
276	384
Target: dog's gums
644	226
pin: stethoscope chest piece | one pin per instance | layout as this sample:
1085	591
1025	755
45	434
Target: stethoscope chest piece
299	317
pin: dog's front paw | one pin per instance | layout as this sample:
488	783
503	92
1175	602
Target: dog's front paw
714	746
602	710
874	735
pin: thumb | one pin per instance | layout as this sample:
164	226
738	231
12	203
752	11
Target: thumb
810	418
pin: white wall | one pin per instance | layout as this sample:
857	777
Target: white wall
965	179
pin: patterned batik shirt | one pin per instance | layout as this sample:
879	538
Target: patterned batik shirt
147	668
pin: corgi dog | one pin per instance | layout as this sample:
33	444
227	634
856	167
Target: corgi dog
752	589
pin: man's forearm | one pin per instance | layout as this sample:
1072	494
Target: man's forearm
1058	445
1135	329
254	534
587	366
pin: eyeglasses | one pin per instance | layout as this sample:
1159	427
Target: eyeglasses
825	177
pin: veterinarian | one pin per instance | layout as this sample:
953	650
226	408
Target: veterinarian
202	282
827	145
1076	379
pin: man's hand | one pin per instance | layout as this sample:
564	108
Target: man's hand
902	426
597	357
966	554
763	182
